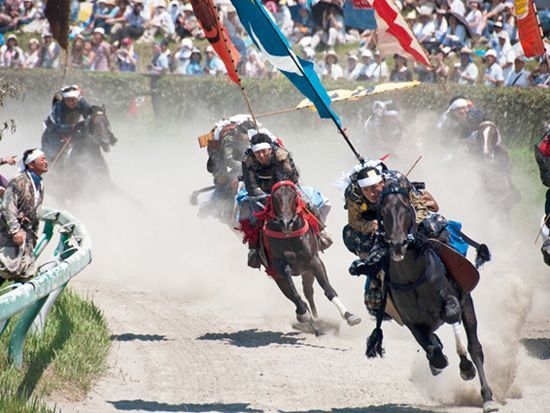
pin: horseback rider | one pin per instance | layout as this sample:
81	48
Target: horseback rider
384	125
362	235
65	121
265	163
542	156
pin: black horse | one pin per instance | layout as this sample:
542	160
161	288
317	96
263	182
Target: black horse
290	237
421	289
79	165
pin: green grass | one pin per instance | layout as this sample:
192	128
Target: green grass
67	358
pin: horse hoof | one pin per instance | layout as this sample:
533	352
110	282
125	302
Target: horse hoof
435	371
490	406
467	369
303	318
438	360
352	319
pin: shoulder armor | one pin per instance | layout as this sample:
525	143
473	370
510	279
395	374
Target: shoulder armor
281	154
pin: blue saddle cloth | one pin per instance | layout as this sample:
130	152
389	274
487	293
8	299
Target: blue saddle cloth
455	240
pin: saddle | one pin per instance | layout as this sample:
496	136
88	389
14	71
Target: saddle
458	266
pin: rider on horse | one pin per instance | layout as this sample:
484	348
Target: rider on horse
362	236
64	122
266	163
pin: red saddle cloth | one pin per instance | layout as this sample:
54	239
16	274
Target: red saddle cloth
458	266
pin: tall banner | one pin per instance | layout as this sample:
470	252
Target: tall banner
391	27
57	13
529	31
216	34
275	47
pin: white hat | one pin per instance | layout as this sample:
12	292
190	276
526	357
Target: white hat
503	35
491	52
187	7
458	104
309	52
187	42
366	53
209	48
425	10
99	30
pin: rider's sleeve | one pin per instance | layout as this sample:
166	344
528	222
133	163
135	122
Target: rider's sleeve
55	121
357	221
249	177
8	210
85	108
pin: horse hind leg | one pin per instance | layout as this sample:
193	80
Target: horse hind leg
467	368
307	287
476	352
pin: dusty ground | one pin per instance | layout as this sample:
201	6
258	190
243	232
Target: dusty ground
195	330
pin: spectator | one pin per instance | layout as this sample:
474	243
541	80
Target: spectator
353	67
466	71
126	57
88	56
303	25
77	52
133	25
29	13
424	29
493	36
509	21
9	16
493	73
381	72
474	17
457	6
160	63
332	69
283	19
505	53
456	34
400	73
49	54
161	23
254	67
186	24
32	58
441	23
212	63
102	51
541	76
11	55
367	65
519	76
116	23
107	10
182	56
333	30
438	72
194	68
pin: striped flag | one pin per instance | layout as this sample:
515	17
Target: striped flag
215	33
529	31
275	47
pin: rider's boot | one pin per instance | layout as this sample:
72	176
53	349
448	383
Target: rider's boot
254	258
325	241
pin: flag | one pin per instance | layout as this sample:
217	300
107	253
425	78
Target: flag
215	32
529	31
57	12
267	37
391	27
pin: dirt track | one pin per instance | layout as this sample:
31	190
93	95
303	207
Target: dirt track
195	330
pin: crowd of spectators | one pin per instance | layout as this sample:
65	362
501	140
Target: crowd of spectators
472	42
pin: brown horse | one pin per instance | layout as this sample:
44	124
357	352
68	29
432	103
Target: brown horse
290	237
420	288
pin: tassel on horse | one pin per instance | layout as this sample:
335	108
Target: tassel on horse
374	342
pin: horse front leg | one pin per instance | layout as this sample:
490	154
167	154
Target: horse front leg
287	287
431	345
307	285
476	352
320	272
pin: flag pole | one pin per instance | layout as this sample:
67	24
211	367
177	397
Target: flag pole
332	115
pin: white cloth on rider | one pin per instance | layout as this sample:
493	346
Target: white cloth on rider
22	163
252	132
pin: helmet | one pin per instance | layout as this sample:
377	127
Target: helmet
71	91
379	108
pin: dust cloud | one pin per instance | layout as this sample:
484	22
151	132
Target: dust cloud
147	236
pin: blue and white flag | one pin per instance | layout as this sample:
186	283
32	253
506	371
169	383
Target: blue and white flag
267	37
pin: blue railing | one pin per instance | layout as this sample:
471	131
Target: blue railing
34	299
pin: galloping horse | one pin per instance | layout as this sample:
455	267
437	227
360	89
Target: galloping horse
290	238
420	288
79	165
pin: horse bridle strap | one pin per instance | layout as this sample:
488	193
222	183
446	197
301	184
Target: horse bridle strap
409	286
282	235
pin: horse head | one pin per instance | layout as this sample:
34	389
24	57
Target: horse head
398	218
285	200
99	128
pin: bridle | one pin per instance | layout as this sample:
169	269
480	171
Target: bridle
300	209
396	189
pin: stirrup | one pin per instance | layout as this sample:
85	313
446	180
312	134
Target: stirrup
325	241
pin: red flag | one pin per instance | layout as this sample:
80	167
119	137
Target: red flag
57	12
529	31
215	33
391	22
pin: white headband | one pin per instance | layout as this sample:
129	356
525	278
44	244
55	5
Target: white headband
372	179
71	94
260	146
34	155
458	104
